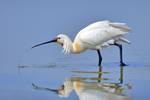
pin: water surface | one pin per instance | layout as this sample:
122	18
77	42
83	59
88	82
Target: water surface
130	81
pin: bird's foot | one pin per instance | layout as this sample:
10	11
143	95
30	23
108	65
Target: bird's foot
123	64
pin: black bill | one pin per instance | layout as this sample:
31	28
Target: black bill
54	40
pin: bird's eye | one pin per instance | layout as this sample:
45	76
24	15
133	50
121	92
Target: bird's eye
58	38
62	86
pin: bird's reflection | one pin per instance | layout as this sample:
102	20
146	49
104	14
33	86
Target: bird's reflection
121	74
88	90
100	74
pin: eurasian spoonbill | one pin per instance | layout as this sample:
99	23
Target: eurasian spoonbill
95	36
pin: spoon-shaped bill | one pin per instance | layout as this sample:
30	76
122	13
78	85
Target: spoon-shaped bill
54	40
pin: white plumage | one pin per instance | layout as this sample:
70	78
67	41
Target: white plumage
102	33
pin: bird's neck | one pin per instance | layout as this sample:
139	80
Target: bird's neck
72	47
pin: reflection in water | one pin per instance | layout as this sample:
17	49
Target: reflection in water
43	88
100	74
121	74
92	90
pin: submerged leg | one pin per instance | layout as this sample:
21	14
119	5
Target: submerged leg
121	56
100	58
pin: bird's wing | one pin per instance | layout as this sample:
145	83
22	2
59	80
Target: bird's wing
99	36
99	24
100	32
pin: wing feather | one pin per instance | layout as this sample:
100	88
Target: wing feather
98	36
121	26
100	32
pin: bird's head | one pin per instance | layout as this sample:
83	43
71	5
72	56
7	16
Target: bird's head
61	39
65	89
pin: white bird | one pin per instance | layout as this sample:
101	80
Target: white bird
95	37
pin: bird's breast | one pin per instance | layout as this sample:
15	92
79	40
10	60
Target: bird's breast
77	47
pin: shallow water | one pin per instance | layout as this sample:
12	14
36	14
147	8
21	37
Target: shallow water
133	81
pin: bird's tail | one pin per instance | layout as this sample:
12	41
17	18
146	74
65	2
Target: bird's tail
124	40
121	26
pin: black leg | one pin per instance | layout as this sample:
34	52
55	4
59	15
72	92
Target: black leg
100	58
121	56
